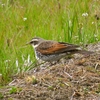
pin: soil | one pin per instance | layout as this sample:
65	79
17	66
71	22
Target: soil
77	78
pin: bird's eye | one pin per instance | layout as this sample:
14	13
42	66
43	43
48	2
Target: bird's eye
31	42
34	42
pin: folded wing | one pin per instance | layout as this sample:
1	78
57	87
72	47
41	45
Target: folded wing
50	47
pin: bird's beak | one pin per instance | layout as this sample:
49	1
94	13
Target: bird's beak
28	43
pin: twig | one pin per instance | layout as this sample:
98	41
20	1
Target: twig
68	74
72	96
96	65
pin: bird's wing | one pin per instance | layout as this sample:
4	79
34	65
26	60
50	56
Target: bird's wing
50	47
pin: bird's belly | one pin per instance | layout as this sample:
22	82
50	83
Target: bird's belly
49	58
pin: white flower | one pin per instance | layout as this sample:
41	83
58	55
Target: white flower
2	5
92	22
6	61
85	14
24	19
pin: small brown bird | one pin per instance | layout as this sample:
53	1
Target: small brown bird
49	50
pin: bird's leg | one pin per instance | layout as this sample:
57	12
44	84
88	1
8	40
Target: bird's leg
39	65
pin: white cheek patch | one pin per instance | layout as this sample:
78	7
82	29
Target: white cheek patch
34	46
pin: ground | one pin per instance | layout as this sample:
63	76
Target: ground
77	78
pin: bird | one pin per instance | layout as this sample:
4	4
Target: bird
50	50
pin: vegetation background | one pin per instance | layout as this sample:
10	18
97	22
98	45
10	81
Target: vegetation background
74	21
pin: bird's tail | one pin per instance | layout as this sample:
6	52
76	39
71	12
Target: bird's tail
83	52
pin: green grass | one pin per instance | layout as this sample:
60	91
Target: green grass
61	20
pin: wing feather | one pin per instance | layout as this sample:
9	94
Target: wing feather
51	47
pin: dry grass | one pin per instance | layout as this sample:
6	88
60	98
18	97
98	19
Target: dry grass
77	78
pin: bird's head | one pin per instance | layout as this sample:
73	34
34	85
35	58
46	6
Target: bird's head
35	41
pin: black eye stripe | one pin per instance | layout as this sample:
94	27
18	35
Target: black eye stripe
31	41
34	42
